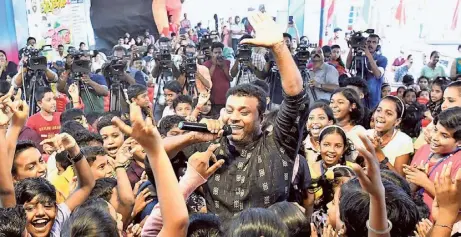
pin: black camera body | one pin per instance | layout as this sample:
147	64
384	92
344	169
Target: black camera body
80	66
244	53
34	60
114	69
163	56
190	65
357	40
205	42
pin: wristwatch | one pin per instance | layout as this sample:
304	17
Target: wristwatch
76	158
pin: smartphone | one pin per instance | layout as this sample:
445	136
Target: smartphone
290	20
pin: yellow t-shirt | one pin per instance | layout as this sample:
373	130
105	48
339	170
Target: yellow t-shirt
314	175
62	184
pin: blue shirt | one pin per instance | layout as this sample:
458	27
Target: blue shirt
374	84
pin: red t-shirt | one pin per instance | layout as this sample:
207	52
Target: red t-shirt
422	155
220	83
44	128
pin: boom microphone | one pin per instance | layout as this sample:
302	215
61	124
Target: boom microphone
201	127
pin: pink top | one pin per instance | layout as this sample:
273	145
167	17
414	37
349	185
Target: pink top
188	183
422	155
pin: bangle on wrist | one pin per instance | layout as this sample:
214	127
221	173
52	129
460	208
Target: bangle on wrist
444	226
118	167
380	232
76	158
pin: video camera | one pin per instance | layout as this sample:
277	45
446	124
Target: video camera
190	65
205	42
79	65
357	40
35	61
163	56
302	54
244	53
114	68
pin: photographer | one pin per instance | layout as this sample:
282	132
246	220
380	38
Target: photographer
247	69
166	59
202	75
375	67
219	71
97	85
48	77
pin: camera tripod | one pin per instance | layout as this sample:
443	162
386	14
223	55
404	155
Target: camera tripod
29	95
243	71
85	91
117	94
273	80
190	85
358	65
160	82
305	75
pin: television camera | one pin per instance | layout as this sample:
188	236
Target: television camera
35	61
357	40
244	53
163	55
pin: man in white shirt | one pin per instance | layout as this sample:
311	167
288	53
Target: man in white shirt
237	31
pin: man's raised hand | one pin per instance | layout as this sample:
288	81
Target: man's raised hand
63	142
268	33
143	130
200	161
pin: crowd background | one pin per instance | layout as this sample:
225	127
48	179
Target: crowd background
315	148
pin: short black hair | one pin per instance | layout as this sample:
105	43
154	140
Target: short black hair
451	119
374	36
263	85
92	218
408	80
4	87
82	43
63	159
119	48
169	122
31	38
41	91
60	46
286	35
85	137
216	45
71	127
92	116
29	188
12	221
174	86
204	225
105	121
357	82
135	90
91	152
182	99
103	188
326	49
250	90
21	146
71	114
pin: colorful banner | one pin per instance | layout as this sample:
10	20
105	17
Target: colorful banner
55	22
8	41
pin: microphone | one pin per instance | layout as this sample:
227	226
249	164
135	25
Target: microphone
201	127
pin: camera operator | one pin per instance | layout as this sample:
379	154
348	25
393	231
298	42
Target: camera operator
375	68
220	77
97	85
166	68
272	75
247	69
202	74
324	77
48	77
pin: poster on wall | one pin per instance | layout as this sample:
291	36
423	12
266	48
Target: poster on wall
55	22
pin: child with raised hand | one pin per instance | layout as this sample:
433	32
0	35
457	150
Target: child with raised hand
146	134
